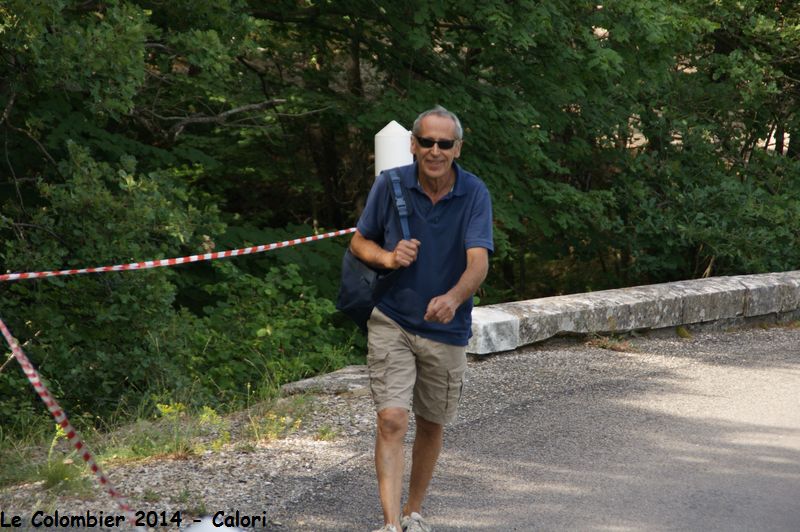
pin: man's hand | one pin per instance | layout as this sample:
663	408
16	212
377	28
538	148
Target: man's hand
442	309
404	254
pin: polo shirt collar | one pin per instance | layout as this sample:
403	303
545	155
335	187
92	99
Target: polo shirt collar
411	180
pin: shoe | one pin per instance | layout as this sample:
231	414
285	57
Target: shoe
386	528
415	523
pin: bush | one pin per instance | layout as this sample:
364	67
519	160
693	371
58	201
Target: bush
119	341
695	215
266	331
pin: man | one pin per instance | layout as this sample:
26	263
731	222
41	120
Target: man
419	330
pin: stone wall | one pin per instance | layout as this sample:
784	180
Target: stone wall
506	326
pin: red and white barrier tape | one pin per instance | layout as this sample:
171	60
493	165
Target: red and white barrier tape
53	406
61	420
172	262
36	381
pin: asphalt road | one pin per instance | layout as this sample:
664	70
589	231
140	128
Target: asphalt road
672	434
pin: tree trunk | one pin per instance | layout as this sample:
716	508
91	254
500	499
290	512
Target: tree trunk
354	82
326	159
507	267
793	150
779	140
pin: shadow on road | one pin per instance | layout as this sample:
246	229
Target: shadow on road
701	434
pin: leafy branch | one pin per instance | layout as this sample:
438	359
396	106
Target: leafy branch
220	118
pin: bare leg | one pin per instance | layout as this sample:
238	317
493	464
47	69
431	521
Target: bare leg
389	458
427	445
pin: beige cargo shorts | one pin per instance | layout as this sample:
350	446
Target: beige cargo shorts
415	373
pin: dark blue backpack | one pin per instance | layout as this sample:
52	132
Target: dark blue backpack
361	286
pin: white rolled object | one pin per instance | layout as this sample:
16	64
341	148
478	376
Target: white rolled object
392	147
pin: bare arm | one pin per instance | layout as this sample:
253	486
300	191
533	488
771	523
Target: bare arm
442	309
368	251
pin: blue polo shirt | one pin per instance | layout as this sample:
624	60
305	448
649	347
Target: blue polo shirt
459	221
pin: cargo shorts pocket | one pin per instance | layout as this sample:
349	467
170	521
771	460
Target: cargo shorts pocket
455	387
376	364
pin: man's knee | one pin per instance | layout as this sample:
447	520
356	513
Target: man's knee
393	422
429	428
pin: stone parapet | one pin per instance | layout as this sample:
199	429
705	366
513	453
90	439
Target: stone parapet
506	326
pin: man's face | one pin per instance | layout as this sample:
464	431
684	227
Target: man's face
434	162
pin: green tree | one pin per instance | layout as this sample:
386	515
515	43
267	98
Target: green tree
625	142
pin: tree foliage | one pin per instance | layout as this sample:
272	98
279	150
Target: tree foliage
623	143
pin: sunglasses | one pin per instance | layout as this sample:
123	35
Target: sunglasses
425	142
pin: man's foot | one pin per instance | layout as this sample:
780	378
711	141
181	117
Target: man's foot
386	528
415	523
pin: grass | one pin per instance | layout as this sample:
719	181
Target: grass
284	417
20	461
182	497
56	470
326	433
780	325
151	496
62	475
173	431
611	343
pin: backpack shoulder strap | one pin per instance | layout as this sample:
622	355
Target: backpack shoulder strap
400	202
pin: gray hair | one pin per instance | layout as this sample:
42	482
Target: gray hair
438	111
